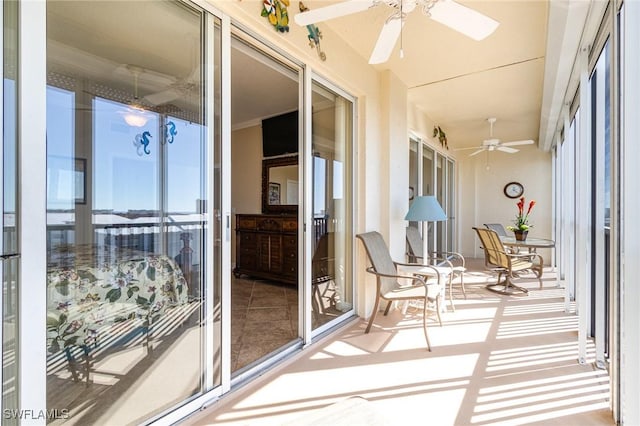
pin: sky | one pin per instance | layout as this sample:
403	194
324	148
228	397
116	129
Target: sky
124	175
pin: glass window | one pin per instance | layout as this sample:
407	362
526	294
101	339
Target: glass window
428	188
9	266
442	199
450	208
332	127
128	330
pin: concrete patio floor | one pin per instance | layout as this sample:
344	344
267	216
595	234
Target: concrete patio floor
497	360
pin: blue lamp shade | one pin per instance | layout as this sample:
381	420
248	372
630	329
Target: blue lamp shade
425	209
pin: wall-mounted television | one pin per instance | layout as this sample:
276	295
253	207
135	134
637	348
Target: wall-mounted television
280	135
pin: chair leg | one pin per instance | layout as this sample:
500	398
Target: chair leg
464	292
373	314
538	272
386	311
438	310
424	323
453	307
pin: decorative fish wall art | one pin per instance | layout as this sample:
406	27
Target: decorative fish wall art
276	12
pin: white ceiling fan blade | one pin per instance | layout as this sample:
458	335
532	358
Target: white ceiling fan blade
514	143
477	152
463	19
507	149
386	40
332	11
162	97
464	149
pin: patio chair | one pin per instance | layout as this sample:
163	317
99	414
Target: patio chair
498	259
388	280
502	232
449	264
498	228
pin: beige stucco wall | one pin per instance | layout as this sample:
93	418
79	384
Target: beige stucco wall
480	196
246	175
384	119
482	200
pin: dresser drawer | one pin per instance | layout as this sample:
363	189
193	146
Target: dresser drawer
290	255
269	224
290	267
247	261
246	222
247	239
290	242
289	224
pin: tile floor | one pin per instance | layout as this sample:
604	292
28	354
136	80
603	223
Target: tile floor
264	317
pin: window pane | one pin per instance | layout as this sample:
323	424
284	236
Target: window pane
332	127
128	332
9	267
428	188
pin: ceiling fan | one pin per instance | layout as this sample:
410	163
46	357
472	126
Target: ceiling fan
180	88
493	144
454	15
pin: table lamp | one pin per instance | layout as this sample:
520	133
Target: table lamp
425	209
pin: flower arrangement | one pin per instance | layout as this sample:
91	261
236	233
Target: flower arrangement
522	219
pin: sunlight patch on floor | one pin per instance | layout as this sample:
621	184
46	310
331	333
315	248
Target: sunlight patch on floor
524	328
339	349
543	411
542	399
538	308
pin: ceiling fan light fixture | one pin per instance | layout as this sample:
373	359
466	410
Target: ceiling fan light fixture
135	115
135	120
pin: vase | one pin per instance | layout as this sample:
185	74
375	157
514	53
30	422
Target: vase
521	235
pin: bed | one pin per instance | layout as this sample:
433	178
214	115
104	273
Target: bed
89	292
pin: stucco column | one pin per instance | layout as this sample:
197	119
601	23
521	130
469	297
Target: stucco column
394	167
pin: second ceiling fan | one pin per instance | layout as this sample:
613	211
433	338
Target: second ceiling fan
493	144
467	21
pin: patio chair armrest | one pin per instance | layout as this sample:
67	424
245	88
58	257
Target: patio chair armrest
411	255
526	256
450	255
443	261
415	276
408	264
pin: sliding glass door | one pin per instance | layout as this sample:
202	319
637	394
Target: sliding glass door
9	247
133	290
436	174
332	195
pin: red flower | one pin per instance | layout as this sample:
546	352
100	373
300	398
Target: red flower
531	204
520	206
522	219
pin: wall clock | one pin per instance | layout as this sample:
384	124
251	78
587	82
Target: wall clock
513	190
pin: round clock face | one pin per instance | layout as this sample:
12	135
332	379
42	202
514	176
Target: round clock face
513	190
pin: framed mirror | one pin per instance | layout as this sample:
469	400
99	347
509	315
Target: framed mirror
280	185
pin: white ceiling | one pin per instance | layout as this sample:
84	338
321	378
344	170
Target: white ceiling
456	81
459	82
268	89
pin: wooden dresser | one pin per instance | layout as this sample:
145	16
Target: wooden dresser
267	247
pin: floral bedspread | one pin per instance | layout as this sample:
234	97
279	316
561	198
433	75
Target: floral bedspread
82	299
